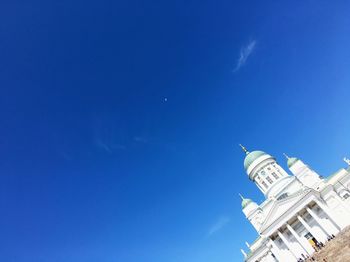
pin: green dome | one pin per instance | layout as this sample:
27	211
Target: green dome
291	161
251	157
245	202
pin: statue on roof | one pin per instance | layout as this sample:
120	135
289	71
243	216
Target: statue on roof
347	160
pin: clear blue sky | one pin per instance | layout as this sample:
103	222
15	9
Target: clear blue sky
120	121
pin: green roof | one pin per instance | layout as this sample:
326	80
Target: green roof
251	157
245	202
291	161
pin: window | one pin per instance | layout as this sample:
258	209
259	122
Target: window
308	236
346	196
274	175
263	173
284	195
269	179
264	184
297	226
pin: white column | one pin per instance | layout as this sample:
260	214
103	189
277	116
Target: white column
331	218
260	186
271	256
276	251
286	242
318	220
302	241
311	230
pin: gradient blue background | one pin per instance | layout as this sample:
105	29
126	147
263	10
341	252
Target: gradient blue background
96	165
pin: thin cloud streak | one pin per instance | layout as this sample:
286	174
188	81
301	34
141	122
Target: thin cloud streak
141	139
103	146
245	52
222	222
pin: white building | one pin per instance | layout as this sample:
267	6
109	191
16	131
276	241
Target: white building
300	211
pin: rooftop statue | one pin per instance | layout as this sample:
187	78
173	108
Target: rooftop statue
346	160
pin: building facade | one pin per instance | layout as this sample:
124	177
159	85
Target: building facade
301	211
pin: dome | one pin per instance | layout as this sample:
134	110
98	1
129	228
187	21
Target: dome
251	157
291	161
248	206
245	202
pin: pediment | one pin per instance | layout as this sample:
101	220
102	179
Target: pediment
280	207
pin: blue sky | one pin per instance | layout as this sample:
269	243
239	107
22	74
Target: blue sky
120	121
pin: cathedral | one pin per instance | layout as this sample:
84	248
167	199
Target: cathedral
301	211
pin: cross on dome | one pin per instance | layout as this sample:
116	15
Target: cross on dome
286	156
244	149
245	201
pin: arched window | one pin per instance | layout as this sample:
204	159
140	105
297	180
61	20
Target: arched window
284	195
264	184
269	179
274	175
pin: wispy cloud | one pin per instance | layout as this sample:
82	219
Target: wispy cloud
108	147
245	52
141	139
103	146
218	225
